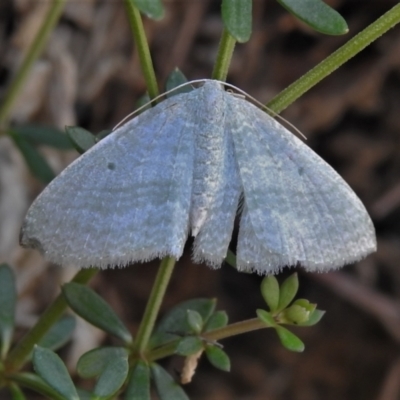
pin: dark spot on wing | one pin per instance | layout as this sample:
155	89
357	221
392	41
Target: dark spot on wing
111	166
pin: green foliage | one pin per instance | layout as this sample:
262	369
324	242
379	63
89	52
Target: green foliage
59	334
81	139
151	8
8	298
175	323
167	388
218	358
270	292
301	312
217	320
317	15
175	79
38	135
91	307
237	18
36	163
51	369
139	383
289	340
189	345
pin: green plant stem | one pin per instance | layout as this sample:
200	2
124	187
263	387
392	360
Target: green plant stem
22	350
139	36
153	304
33	382
31	56
222	333
335	60
224	56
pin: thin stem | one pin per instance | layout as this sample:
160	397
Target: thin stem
21	351
231	330
153	304
335	60
139	36
225	51
35	50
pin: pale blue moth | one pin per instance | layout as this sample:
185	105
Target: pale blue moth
185	167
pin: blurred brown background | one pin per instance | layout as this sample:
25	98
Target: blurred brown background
89	75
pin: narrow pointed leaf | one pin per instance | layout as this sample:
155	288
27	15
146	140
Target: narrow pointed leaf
43	135
288	291
153	9
16	392
266	318
317	15
80	138
59	334
189	345
289	339
8	297
35	383
270	292
218	320
167	388
195	321
314	318
112	378
175	324
218	358
49	366
237	17
175	79
36	163
91	307
139	383
231	259
94	362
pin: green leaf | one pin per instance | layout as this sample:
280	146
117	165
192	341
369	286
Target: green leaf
94	362
314	318
175	324
218	320
91	307
85	394
295	314
37	384
59	334
317	15
237	18
153	9
37	164
195	321
103	134
218	358
270	292
231	259
139	383
16	392
49	366
8	298
175	79
266	318
143	101
288	291
167	388
189	345
38	135
80	138
113	377
289	339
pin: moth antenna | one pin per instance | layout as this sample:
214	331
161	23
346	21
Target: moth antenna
263	106
155	99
